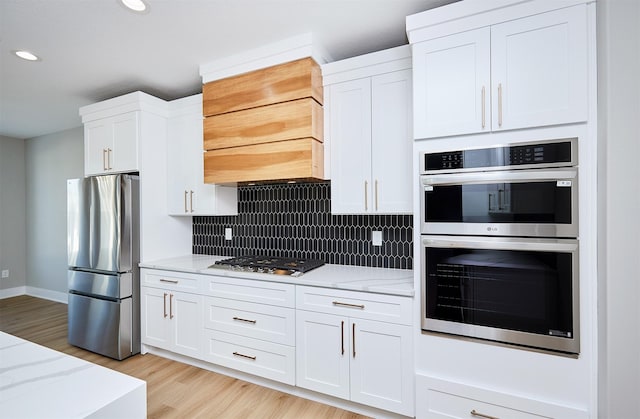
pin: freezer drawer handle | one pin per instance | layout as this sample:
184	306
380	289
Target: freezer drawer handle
338	303
245	320
245	356
170	281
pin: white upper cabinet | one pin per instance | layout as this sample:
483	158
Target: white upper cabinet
527	72
350	120
391	144
452	84
539	70
368	132
111	144
187	194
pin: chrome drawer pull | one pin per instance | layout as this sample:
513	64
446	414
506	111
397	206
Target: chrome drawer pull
482	415
169	281
245	356
245	320
338	303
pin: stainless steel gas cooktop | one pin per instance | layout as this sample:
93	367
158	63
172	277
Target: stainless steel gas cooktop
269	265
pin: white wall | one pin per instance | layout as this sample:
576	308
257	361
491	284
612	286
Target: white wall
619	192
12	215
50	161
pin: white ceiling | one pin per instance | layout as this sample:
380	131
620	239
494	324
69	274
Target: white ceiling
93	50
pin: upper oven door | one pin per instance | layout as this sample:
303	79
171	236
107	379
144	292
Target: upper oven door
527	203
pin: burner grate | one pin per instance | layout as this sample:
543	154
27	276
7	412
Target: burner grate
270	264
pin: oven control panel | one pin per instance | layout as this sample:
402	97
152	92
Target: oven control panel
544	154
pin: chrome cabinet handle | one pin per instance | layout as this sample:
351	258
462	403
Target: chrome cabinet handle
338	303
185	201
245	356
482	415
191	200
342	337
170	281
353	339
171	306
499	104
245	320
109	158
366	195
164	306
104	159
483	107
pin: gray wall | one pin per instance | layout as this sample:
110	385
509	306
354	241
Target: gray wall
619	198
50	161
12	212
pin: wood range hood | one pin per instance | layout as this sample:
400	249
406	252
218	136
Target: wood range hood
265	126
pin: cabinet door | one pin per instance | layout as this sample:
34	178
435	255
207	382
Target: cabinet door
451	89
185	313
382	365
350	114
124	156
391	142
184	154
322	353
539	70
98	139
187	194
155	317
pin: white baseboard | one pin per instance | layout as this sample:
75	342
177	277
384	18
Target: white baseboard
13	292
60	297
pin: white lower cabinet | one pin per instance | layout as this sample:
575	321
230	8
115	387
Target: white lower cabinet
341	350
438	398
172	320
250	328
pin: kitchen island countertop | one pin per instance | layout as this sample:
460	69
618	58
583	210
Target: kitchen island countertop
347	277
38	382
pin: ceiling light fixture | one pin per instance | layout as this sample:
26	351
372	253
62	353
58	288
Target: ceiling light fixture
26	55
135	5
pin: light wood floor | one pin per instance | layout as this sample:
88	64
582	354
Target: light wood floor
174	390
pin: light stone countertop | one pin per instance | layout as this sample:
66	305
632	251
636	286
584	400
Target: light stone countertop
38	382
346	277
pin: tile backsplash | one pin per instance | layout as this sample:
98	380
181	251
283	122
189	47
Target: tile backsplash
295	220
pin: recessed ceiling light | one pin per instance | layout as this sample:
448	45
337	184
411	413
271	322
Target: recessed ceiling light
26	55
135	5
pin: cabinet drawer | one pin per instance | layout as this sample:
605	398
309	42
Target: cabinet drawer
169	280
453	406
253	356
259	321
380	307
262	292
438	398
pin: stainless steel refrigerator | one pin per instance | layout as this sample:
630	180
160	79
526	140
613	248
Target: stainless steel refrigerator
103	276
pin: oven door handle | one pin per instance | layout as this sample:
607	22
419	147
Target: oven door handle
501	243
570	174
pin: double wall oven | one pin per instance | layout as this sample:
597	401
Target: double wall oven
499	244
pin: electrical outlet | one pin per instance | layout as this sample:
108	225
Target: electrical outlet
376	238
5	273
228	234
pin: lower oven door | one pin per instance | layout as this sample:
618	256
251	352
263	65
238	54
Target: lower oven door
511	290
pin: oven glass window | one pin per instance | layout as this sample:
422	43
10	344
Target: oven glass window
515	290
528	202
